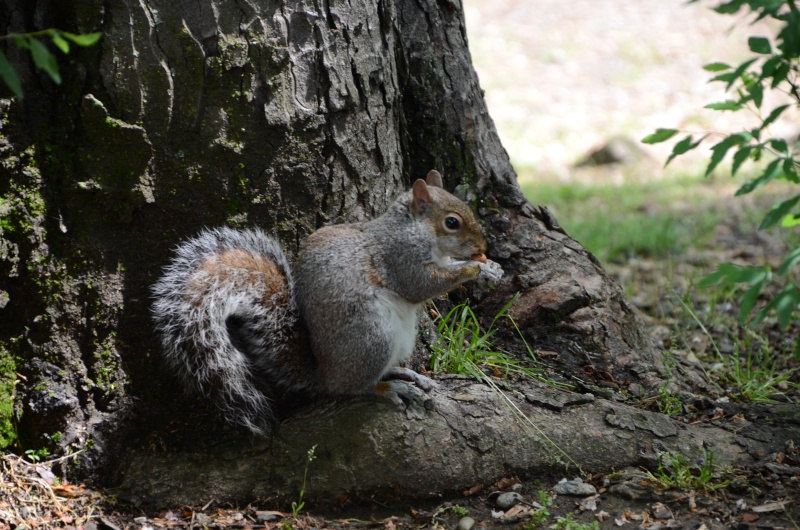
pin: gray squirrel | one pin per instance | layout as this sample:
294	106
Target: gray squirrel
237	323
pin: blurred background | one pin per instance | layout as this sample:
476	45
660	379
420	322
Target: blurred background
564	78
570	82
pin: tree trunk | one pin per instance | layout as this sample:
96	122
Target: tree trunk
288	116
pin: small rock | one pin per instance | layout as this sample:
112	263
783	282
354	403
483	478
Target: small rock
46	474
636	389
140	520
589	503
267	517
466	523
107	523
660	511
507	500
574	487
618	150
201	518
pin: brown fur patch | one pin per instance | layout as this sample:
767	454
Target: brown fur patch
373	276
227	267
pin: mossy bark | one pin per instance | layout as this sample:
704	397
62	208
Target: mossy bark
285	115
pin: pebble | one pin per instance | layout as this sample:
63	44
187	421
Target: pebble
574	487
140	520
466	523
266	517
661	511
507	500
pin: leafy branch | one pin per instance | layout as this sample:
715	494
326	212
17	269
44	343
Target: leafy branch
42	57
775	65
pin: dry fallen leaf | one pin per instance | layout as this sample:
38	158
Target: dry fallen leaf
473	490
506	483
70	491
776	506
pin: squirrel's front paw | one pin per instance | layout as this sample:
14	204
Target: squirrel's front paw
491	272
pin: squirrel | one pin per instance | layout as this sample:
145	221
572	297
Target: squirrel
237	323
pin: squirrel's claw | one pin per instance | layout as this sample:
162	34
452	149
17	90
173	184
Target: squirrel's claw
491	272
406	374
399	392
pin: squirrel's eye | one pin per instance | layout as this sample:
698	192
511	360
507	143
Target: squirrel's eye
452	222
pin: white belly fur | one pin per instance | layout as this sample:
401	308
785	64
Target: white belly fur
402	318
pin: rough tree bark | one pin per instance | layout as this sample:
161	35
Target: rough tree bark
289	116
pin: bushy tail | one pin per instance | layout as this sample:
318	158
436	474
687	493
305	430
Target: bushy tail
226	313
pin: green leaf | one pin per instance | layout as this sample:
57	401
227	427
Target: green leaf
86	39
778	211
59	41
789	37
10	77
727	77
790	221
716	67
661	135
749	299
724	105
740	156
792	259
756	93
783	304
682	147
736	74
45	60
771	171
759	45
790	170
768	68
730	7
779	145
728	274
720	149
774	115
780	75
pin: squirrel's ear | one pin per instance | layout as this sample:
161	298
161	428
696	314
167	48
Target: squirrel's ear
434	178
421	196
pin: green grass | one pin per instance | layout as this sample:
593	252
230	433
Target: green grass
754	371
463	347
658	221
675	472
756	376
617	222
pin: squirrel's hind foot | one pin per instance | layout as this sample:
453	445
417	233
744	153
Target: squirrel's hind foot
400	392
406	374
